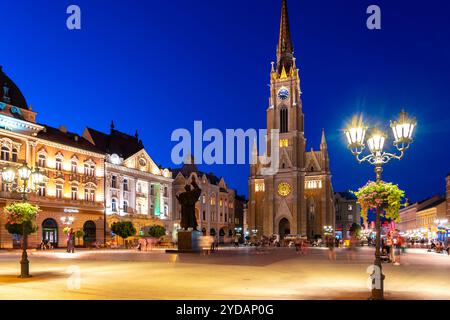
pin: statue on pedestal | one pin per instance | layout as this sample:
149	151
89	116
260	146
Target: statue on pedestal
187	201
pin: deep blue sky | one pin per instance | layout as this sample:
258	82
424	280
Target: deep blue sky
158	65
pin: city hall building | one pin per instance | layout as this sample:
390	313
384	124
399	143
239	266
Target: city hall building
298	199
137	189
73	168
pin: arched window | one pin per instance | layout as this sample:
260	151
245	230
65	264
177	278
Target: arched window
5	153
15	154
283	120
114	182
114	205
125	206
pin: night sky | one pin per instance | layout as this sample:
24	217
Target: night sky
158	65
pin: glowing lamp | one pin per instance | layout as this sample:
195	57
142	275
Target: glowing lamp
403	129
8	175
376	142
24	172
37	177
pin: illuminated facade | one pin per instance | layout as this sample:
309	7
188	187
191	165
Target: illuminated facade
136	188
348	212
298	199
215	208
74	171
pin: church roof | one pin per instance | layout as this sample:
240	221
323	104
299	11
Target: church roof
188	168
13	95
116	142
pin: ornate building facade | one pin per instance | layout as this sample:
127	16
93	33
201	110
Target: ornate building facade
73	167
298	199
215	209
136	188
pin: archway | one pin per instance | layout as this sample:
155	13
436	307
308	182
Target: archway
204	231
212	232
284	227
50	232
89	230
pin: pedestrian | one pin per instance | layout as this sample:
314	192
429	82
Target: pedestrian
331	252
71	241
236	241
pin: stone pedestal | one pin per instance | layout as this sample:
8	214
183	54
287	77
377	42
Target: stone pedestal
188	242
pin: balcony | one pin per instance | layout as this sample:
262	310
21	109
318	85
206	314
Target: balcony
89	179
75	177
141	195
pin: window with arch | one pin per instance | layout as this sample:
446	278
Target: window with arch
5	153
283	120
125	206
213	200
125	184
166	210
152	189
15	154
114	182
114	205
42	160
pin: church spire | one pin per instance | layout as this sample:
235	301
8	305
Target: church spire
285	49
323	142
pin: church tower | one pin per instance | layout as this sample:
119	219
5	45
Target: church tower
280	203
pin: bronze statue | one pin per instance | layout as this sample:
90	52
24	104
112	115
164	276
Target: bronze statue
187	201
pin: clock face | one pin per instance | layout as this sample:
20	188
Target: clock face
284	189
283	93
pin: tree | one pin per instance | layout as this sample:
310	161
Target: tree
123	229
79	234
156	231
355	230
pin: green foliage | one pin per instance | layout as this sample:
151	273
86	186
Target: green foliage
355	230
18	228
156	231
66	230
20	218
79	234
18	212
383	195
123	229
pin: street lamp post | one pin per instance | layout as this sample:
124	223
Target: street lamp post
28	181
356	133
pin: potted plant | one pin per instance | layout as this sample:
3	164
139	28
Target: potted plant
20	219
381	195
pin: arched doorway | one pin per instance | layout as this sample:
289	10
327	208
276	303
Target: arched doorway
204	231
50	232
89	230
284	227
212	232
